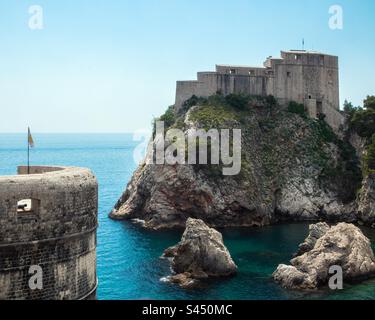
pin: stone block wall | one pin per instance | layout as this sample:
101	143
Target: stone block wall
298	75
58	234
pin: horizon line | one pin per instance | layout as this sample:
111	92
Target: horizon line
45	132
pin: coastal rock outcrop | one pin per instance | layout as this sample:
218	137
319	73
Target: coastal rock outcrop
316	231
366	201
343	245
200	254
292	168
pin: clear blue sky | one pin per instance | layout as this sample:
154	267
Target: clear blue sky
110	66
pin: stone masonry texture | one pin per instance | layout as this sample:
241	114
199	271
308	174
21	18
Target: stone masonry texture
307	77
58	233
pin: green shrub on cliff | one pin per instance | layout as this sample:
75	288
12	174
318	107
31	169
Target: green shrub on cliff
370	157
363	122
369	103
192	102
349	109
237	101
168	117
273	138
297	108
212	116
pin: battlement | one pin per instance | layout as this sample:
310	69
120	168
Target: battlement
48	218
307	77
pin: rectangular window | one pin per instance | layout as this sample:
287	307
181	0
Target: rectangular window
232	71
28	206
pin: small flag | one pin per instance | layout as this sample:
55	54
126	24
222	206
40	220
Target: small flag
30	139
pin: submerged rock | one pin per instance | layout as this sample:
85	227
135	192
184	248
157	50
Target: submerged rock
200	254
343	245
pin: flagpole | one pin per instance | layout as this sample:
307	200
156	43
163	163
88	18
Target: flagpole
28	151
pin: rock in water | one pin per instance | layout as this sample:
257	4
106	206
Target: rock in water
316	231
200	254
343	245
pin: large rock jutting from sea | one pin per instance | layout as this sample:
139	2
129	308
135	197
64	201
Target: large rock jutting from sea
200	254
343	245
293	168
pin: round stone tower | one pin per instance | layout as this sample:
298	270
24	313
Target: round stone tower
48	222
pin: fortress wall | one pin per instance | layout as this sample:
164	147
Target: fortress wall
288	83
58	234
209	83
311	80
185	90
212	83
68	205
68	266
305	77
318	74
333	117
241	70
253	85
37	170
329	86
310	105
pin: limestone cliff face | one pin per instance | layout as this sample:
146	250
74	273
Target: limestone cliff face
293	168
366	201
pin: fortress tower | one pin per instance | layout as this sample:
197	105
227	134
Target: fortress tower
48	222
307	77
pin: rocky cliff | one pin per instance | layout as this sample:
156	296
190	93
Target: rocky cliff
366	201
293	168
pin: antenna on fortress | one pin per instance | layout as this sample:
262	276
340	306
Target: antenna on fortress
303	43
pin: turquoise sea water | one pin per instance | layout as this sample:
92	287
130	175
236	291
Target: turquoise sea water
129	266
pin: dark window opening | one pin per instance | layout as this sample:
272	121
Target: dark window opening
288	74
232	71
28	206
309	96
251	72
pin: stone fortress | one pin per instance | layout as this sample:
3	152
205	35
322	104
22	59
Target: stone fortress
48	219
307	77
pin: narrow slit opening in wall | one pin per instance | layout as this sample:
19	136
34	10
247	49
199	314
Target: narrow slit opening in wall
28	205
